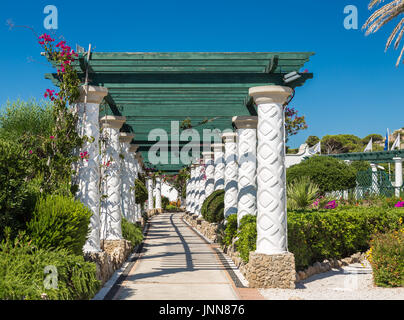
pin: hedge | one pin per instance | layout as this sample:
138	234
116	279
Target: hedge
213	207
131	232
141	193
318	235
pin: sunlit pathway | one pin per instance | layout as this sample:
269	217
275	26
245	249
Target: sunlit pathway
176	264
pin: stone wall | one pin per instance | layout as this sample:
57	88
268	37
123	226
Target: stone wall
209	230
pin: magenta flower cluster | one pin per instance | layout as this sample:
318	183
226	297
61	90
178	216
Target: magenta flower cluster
331	205
399	204
84	155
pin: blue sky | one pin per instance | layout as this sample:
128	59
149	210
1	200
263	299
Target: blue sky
356	87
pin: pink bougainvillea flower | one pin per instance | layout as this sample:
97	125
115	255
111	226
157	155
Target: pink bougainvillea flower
30	151
52	137
399	204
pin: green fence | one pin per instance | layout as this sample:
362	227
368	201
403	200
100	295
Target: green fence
373	183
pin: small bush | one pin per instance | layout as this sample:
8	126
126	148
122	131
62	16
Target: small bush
59	222
247	236
164	202
172	208
22	274
141	194
301	193
231	229
131	232
386	256
213	207
328	173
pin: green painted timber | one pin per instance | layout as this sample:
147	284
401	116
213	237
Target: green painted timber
376	157
155	89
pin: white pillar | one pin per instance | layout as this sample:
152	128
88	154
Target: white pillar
247	165
187	195
111	179
375	185
89	171
209	173
150	193
158	194
271	170
230	173
219	165
398	174
197	189
192	190
202	182
134	172
126	176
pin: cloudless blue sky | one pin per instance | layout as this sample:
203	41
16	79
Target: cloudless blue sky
356	87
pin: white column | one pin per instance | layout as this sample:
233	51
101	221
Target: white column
247	165
150	193
375	185
202	182
89	171
187	195
271	170
230	173
111	179
398	174
209	173
219	165
197	207
126	175
133	171
192	190
158	194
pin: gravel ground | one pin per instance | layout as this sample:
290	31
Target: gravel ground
352	282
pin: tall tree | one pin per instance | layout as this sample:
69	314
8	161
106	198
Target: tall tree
389	12
312	141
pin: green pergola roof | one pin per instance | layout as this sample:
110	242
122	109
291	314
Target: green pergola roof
376	157
153	89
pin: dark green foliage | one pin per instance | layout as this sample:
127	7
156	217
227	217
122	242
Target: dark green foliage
312	141
59	222
213	207
247	236
22	273
131	232
341	143
387	259
184	191
172	208
318	235
231	229
164	202
141	193
328	173
17	195
360	165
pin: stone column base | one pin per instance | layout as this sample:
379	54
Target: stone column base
271	271
159	210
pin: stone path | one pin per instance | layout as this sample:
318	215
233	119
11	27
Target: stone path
177	264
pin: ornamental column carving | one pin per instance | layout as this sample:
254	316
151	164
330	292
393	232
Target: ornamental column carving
88	171
126	175
197	193
230	173
134	171
158	194
150	194
209	173
271	171
111	214
202	182
398	162
247	165
192	190
219	165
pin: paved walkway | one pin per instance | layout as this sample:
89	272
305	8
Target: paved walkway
176	264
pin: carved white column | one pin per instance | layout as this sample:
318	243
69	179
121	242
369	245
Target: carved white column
271	171
209	173
192	190
197	189
202	182
150	194
158	194
219	165
111	215
398	175
230	173
126	175
247	165
133	175
88	177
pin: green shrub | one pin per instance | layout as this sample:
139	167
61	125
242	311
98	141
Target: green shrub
213	207
22	274
328	173
17	194
141	193
171	208
247	236
164	202
301	193
387	259
131	232
231	229
59	222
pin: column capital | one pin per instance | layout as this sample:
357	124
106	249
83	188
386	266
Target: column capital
397	159
229	136
94	94
115	122
126	137
217	146
245	122
270	94
133	147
